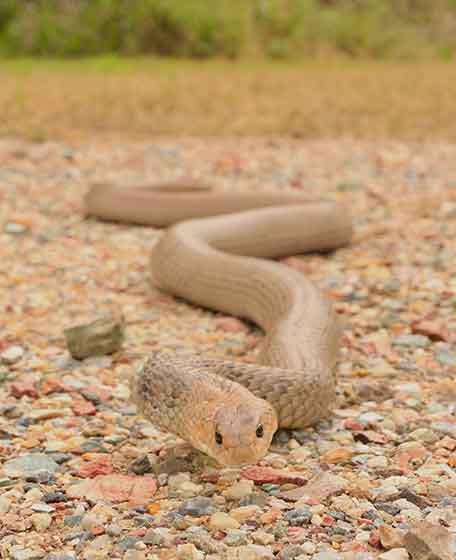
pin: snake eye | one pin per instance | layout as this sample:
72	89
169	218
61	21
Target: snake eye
259	431
218	438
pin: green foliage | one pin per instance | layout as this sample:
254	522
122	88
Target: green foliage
180	28
84	27
366	29
230	28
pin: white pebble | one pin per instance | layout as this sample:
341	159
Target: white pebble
14	228
12	355
308	547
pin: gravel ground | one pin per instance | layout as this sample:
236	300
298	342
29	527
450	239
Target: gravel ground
82	476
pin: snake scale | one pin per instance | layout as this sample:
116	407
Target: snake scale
213	253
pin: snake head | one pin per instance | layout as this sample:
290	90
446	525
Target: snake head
242	433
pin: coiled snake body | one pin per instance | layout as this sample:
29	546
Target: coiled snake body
213	255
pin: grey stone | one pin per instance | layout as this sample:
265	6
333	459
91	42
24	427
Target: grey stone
298	516
153	537
72	520
447	428
19	553
41	477
197	507
141	465
202	540
60	458
254	500
291	551
446	358
389	508
236	537
54	497
113	530
280	529
29	465
412	341
128	542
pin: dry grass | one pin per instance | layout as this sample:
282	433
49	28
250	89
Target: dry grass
75	100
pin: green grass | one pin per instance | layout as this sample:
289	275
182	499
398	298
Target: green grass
228	28
140	98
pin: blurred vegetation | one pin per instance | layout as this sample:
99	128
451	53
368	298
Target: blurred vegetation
228	28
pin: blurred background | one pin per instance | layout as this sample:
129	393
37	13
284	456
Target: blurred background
365	68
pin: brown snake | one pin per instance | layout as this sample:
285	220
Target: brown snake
213	255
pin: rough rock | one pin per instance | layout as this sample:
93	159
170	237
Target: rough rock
11	355
221	520
425	541
116	488
103	336
391	537
197	507
30	465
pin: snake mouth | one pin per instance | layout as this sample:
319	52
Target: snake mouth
236	457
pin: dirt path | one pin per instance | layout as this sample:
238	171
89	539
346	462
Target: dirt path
68	432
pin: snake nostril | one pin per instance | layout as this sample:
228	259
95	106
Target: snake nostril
259	431
218	438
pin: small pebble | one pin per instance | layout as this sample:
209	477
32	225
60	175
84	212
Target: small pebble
14	228
113	530
239	490
12	355
221	520
19	553
134	555
188	552
41	521
243	513
291	551
298	516
327	555
412	341
196	507
308	547
262	537
235	537
395	554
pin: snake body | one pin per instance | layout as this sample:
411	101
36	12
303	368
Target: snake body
213	254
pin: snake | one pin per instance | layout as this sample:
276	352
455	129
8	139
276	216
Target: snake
221	250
